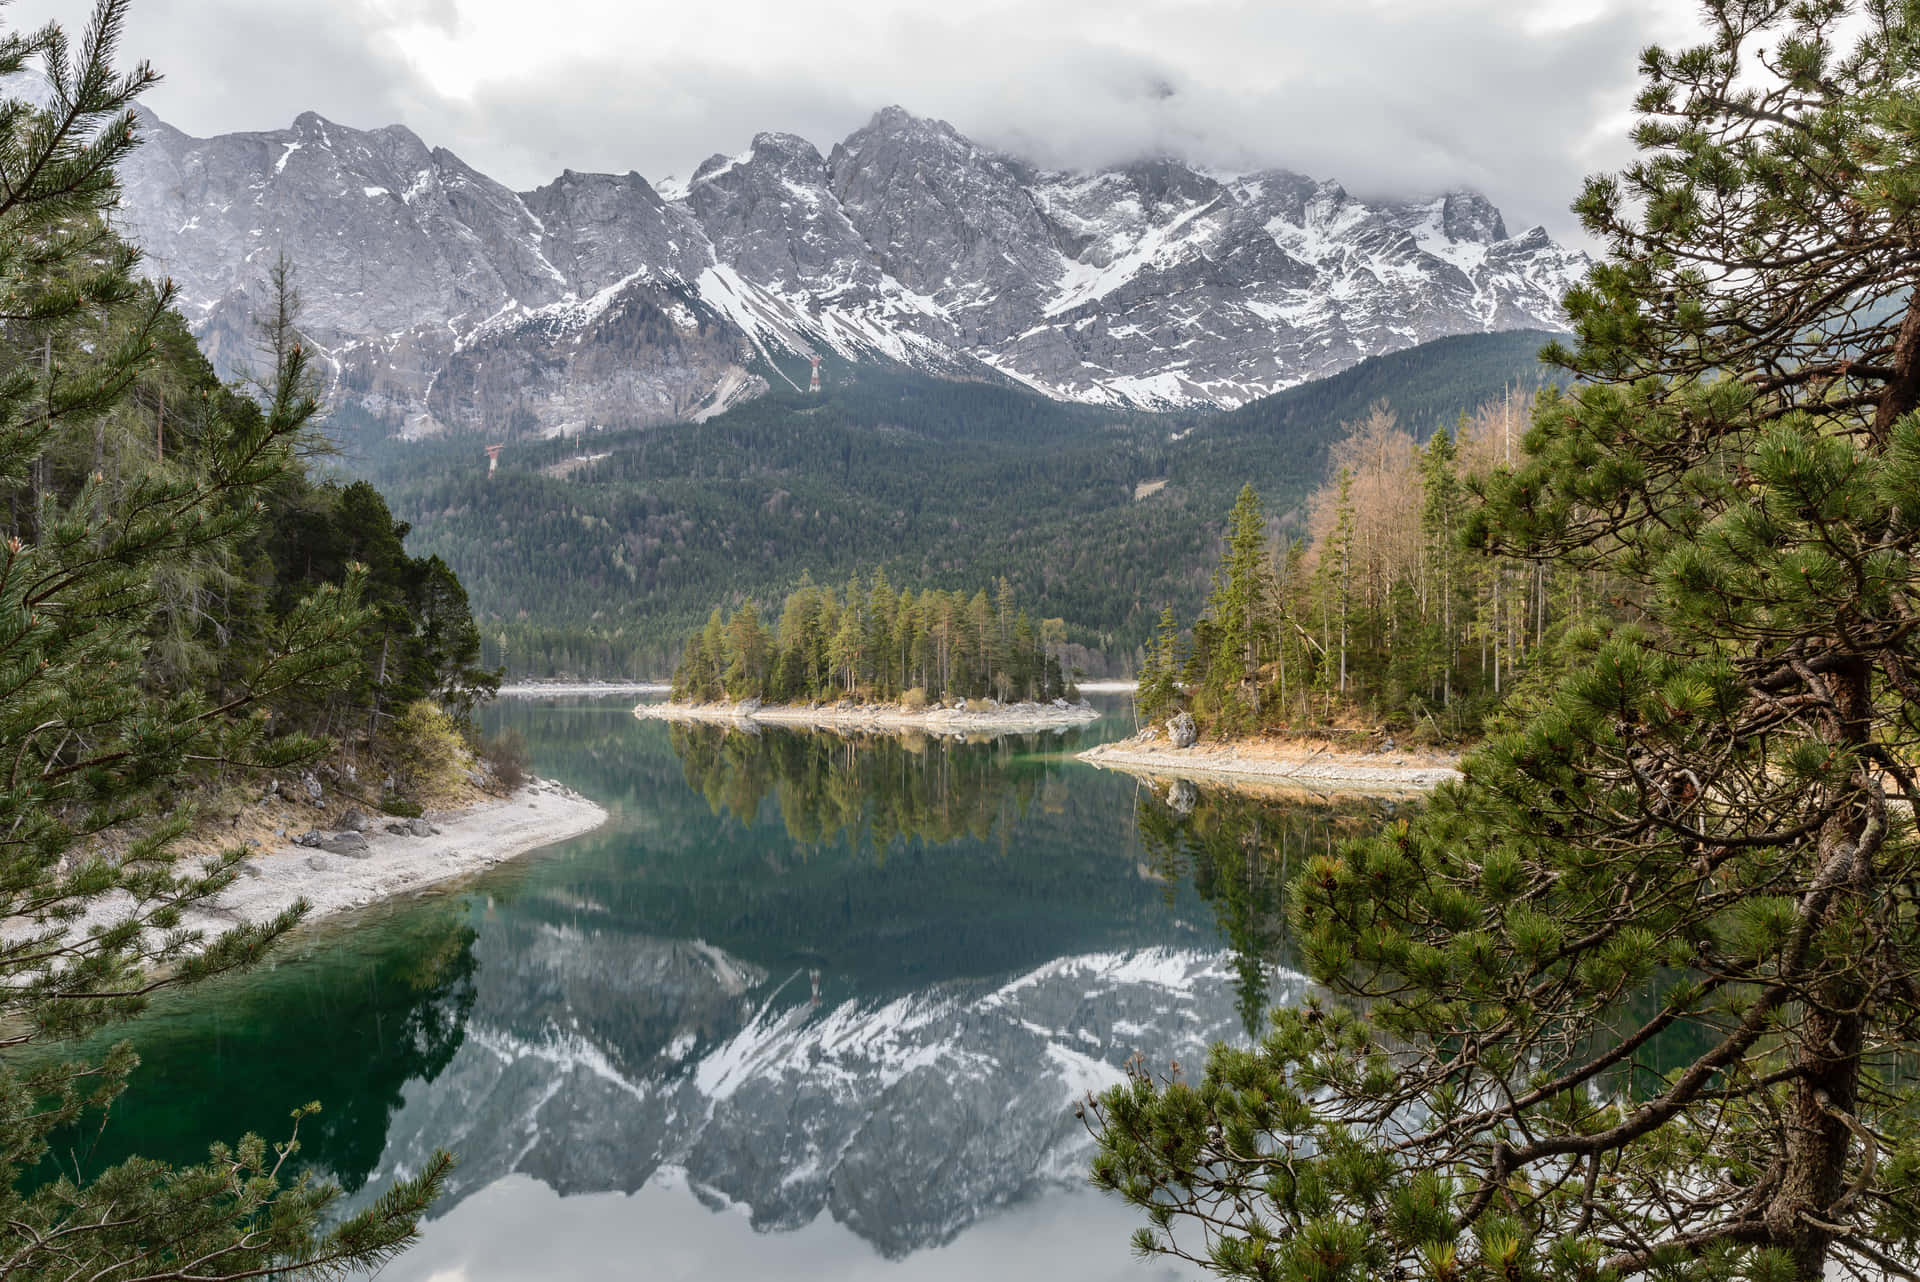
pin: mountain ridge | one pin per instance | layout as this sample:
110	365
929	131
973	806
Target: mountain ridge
443	300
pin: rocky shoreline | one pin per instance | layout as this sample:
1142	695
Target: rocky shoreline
1012	718
347	868
1267	764
553	689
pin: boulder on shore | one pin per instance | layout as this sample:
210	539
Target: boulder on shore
1182	731
346	843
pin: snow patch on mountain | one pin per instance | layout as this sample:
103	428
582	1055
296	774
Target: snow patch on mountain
1156	284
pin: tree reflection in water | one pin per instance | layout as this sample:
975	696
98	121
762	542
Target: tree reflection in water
833	788
1240	851
1237	851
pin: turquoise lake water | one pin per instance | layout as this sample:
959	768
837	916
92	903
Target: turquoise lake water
805	1007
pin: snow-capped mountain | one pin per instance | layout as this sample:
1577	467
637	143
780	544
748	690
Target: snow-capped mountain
446	300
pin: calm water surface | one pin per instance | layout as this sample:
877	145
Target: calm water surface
804	1008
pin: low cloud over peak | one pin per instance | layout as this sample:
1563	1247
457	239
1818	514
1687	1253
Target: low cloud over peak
1391	97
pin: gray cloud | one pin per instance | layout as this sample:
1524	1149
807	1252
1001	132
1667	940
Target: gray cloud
1399	97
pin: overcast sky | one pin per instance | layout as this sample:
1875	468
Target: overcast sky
1398	97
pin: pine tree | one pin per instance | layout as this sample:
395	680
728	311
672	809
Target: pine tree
96	746
1639	997
1159	687
745	676
1003	658
1237	610
845	653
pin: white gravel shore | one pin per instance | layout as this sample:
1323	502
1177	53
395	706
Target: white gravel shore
1012	718
573	689
539	814
1226	763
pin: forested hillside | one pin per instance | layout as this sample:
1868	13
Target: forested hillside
596	555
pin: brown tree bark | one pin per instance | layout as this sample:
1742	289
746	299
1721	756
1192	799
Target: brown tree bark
1832	1036
1902	392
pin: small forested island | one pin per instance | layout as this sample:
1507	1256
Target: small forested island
871	656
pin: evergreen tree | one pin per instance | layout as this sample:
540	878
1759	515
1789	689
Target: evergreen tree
1237	608
746	673
1159	685
1639	997
99	744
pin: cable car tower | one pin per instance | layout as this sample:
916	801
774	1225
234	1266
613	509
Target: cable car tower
814	385
493	457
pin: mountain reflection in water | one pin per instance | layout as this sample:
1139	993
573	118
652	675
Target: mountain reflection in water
803	980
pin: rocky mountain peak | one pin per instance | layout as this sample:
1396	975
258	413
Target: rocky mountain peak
896	121
1533	238
772	159
596	195
597	229
442	297
790	150
771	214
1168	180
947	220
1469	216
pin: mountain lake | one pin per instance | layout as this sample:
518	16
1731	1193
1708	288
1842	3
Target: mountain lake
805	1007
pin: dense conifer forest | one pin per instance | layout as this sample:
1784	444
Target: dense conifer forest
595	555
221	609
870	642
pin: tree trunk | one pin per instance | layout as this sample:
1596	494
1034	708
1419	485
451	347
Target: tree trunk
1902	392
1830	1043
